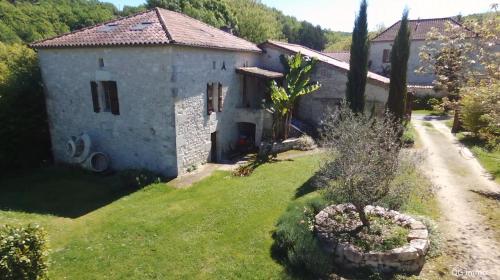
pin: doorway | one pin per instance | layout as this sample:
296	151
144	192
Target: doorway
213	149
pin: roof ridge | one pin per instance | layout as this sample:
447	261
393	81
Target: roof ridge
380	34
298	45
199	21
163	24
424	19
89	27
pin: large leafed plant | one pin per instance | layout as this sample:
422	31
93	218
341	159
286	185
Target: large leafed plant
297	83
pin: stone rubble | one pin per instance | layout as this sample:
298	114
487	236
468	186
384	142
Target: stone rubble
409	258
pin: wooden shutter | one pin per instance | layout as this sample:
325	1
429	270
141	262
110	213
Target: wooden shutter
219	98
113	98
95	96
210	102
385	57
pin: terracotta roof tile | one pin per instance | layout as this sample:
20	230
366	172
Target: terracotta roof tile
153	27
342	56
326	59
419	28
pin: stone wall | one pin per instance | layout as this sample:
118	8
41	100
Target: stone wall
377	64
191	70
409	258
143	135
333	81
163	124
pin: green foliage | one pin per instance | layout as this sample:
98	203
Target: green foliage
213	12
23	253
295	242
338	41
396	102
24	137
297	83
137	179
356	77
28	21
480	112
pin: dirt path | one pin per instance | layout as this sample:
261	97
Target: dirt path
454	170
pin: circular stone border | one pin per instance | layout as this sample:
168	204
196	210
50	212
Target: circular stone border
409	258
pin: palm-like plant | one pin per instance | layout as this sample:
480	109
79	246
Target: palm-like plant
297	83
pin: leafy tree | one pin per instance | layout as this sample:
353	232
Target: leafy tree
338	41
213	12
312	36
396	103
24	138
462	56
256	21
297	83
358	63
364	158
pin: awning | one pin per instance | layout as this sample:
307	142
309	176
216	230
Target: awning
259	72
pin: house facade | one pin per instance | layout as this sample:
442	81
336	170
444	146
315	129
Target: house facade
381	45
332	74
161	91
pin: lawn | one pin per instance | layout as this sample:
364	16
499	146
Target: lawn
219	228
489	159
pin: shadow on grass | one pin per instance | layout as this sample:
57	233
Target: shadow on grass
59	191
308	187
490	195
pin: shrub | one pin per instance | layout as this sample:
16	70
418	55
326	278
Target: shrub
480	112
295	242
23	252
408	137
136	179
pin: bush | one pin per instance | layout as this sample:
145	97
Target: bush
24	136
23	252
425	102
480	112
137	179
295	242
408	137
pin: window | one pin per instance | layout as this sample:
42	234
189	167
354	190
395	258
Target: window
386	58
219	98
105	97
210	101
101	62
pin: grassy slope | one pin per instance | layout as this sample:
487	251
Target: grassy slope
219	228
489	159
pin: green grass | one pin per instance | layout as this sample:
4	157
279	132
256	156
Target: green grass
219	228
489	159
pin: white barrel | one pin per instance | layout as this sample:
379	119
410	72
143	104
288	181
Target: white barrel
71	148
83	146
97	162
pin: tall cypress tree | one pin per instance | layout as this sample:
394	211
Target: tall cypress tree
396	103
356	77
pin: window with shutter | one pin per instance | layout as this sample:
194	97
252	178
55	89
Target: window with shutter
113	97
210	101
386	56
219	98
95	96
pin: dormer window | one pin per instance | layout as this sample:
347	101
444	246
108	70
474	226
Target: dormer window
141	26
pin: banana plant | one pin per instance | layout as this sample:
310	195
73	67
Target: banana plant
297	83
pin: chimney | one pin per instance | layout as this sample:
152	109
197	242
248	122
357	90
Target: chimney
227	29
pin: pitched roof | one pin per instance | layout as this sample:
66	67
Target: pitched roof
344	66
153	27
342	56
419	28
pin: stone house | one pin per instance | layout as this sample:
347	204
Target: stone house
332	74
161	91
380	50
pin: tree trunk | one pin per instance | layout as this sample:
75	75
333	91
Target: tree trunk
362	216
288	121
457	125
